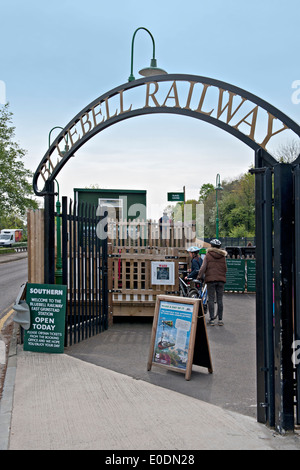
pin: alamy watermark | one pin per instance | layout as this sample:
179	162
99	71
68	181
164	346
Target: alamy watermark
296	93
296	353
187	223
2	92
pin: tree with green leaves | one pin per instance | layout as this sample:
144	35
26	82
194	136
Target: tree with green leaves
205	190
15	180
236	207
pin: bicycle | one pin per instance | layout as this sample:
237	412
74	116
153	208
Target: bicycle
200	293
185	290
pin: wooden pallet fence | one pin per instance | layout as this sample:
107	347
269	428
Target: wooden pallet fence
35	247
129	278
150	233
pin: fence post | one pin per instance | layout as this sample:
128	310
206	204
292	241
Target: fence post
297	285
283	283
64	240
264	301
49	235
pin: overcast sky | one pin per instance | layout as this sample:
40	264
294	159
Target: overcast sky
58	56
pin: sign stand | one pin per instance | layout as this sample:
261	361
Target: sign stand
179	337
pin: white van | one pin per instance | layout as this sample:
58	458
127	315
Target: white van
8	237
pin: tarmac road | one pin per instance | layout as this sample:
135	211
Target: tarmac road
13	273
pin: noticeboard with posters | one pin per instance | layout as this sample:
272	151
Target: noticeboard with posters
236	275
179	337
251	275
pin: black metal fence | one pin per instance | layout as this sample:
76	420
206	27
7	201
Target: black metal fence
235	241
84	265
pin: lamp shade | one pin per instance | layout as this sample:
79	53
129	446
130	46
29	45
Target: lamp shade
152	70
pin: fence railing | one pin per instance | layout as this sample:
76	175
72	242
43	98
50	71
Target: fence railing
152	234
84	271
236	241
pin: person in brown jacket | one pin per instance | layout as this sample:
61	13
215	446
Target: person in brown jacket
214	269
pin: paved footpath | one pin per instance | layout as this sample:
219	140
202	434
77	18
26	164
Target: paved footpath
8	257
76	400
61	402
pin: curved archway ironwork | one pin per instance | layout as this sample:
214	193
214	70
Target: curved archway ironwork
221	104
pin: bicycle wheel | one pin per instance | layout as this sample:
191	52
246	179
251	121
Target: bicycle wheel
193	293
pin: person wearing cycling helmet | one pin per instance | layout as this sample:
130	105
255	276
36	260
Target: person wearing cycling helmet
196	262
214	269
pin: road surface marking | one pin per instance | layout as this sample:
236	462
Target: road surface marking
3	320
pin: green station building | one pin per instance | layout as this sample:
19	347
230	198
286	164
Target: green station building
123	204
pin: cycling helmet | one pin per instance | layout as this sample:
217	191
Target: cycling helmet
215	243
193	249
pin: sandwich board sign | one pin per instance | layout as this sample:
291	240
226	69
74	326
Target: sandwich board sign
179	337
47	305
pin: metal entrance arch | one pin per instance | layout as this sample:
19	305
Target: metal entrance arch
221	104
256	123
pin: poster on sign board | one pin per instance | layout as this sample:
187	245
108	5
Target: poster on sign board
173	333
163	273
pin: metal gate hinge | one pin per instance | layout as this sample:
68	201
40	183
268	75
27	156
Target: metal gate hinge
257	170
